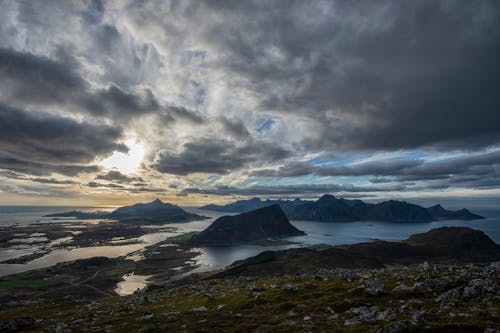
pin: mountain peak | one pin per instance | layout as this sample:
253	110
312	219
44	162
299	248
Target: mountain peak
327	197
157	201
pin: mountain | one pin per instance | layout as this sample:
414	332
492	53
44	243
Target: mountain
242	206
331	209
155	212
239	206
328	208
399	211
439	213
441	245
256	225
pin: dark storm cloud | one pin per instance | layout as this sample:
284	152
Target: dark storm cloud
42	137
176	112
376	168
38	79
12	163
216	156
33	79
370	75
234	127
114	175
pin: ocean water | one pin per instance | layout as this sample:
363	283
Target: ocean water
221	256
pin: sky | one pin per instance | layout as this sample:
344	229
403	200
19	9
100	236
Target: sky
112	102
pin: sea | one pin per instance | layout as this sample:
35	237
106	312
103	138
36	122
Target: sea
213	257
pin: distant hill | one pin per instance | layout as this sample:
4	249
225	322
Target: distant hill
331	209
242	206
257	225
154	212
441	245
439	213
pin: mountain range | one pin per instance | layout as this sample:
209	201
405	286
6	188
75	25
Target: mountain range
331	209
242	206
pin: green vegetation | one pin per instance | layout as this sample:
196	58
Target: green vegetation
33	284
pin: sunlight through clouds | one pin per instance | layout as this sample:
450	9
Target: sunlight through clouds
126	163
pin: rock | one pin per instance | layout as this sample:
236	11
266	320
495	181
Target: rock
18	323
397	326
478	287
328	310
200	309
475	288
59	328
387	315
290	287
401	288
375	288
449	298
361	314
147	316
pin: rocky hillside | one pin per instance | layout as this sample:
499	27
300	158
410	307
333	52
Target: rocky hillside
416	299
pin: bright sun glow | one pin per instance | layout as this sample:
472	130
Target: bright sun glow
125	163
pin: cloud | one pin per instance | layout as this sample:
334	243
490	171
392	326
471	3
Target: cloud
54	181
253	91
41	137
105	185
114	175
299	189
234	127
216	156
11	163
369	76
30	79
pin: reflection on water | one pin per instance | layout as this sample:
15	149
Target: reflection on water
131	283
216	257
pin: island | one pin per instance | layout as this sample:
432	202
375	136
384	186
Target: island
255	226
154	212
